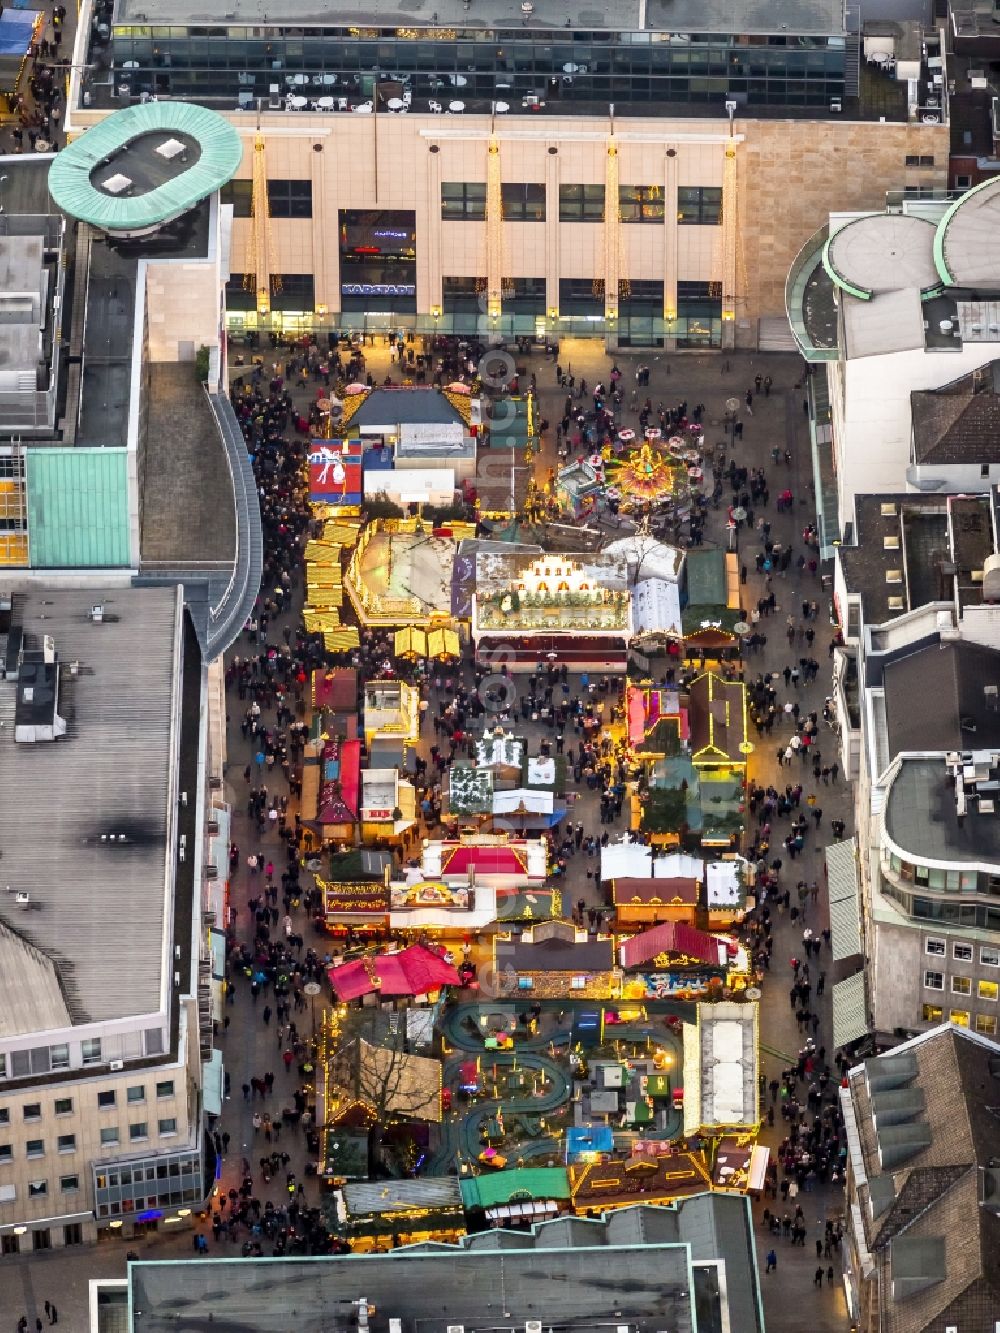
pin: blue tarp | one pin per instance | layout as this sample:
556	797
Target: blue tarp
581	1139
17	27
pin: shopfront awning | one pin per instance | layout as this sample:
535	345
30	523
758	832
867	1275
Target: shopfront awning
850	1014
845	902
213	1084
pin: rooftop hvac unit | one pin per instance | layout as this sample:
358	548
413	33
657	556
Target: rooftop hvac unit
532	1326
116	1065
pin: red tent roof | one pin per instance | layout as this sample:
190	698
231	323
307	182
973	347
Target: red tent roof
342	760
336	689
412	971
671	937
486	860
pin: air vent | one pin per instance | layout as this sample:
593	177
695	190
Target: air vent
890	543
894	576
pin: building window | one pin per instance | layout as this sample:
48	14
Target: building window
36	1188
962	953
4	1115
919	191
912	160
289	291
42	1238
109	1136
240	195
581	203
640	203
66	1143
140	1130
932	1013
73	1233
105	1099
933	981
463	201
581	296
137	1093
9	1243
986	1025
523	203
64	1106
936	947
6	1153
290	198
33	1111
90	1051
68	1184
165	1088
168	1125
988	958
59	1057
960	1017
988	990
699	205
153	1037
35	1148
961	986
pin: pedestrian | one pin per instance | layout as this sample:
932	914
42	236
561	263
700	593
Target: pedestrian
818	1278
772	1261
829	1276
53	1315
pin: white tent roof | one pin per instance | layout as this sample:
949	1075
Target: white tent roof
647	557
722	884
536	802
656	607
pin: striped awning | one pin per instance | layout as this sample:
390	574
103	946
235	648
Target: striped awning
320	619
339	640
850	1014
845	905
322	595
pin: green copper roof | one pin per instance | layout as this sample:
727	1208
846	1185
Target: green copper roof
518	1184
70	174
78	515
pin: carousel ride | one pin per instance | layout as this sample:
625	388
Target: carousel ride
646	477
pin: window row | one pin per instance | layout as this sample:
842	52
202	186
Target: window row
986	990
952	881
970	916
110	1137
984	1024
38	1189
32	1111
285	198
988	956
697	205
55	1059
41	1238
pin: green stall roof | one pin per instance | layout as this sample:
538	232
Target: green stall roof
520	1183
72	188
78	516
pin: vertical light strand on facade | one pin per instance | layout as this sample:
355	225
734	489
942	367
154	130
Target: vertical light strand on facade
268	280
729	233
612	232
494	231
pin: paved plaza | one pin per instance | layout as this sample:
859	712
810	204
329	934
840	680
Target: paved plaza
792	1301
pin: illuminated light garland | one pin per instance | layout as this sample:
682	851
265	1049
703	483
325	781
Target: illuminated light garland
612	230
494	231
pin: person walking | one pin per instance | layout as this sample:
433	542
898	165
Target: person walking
772	1261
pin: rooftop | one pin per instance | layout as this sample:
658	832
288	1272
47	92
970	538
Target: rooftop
92	901
162	181
959	422
961	678
963	244
389	408
658	1263
933	1232
921	816
882	252
817	17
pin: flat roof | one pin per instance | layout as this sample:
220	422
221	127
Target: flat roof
921	817
133	135
675	16
882	253
647	1287
91	901
965	240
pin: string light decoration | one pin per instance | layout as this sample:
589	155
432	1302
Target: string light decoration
494	231
729	232
612	230
261	249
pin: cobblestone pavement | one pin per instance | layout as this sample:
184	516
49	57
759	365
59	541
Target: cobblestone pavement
792	1302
